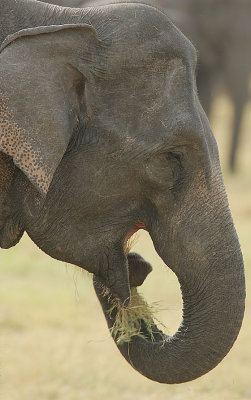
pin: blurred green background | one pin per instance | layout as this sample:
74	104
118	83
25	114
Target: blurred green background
54	343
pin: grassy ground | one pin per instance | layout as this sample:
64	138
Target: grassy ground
54	343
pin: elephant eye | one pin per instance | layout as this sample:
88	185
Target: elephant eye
168	162
174	156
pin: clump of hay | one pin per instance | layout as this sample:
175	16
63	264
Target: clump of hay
135	319
130	319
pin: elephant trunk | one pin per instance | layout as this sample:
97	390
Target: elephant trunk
211	275
212	317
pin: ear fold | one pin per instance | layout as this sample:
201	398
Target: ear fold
39	96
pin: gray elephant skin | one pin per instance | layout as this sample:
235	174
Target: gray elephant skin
102	133
220	30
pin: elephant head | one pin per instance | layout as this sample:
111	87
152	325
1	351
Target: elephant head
102	133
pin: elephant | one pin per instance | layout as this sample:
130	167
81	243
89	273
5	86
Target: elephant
102	134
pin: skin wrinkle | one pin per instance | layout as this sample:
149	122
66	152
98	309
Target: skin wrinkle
210	215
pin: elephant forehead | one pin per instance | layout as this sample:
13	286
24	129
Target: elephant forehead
128	19
137	33
138	36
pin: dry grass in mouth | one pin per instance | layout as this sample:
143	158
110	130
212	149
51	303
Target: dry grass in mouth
129	319
131	243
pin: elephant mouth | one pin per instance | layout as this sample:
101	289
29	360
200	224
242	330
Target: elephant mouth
136	227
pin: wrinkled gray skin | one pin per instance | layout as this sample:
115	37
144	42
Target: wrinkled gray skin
106	130
220	30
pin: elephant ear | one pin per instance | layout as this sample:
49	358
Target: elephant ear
41	96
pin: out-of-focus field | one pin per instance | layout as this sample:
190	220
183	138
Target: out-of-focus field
54	343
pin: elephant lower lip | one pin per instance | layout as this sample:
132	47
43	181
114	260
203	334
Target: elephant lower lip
135	228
